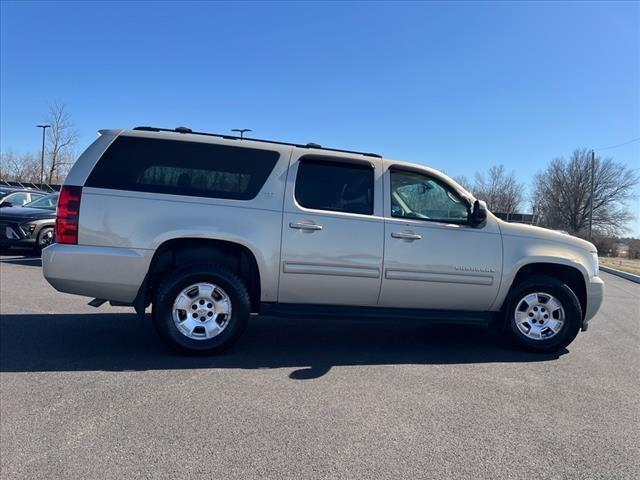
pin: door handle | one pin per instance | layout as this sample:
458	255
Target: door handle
305	226
406	235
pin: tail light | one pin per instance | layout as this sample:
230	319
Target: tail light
68	215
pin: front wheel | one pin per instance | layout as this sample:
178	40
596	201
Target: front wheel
45	238
543	314
201	309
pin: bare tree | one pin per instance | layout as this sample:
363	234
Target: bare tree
607	246
19	167
562	194
501	190
59	152
61	138
7	164
463	181
634	249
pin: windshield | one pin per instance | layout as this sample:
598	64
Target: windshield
48	201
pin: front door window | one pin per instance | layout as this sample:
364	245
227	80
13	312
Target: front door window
420	197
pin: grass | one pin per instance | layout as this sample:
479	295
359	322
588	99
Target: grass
624	264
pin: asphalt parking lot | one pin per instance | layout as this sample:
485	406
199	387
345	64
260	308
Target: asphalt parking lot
92	393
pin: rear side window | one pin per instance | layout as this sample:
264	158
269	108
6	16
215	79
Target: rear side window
335	186
17	199
183	168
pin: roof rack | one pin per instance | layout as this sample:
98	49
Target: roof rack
232	137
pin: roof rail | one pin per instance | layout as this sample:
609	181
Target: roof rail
232	137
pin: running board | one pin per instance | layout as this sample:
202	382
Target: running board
342	311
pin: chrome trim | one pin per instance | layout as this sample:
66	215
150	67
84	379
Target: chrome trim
406	235
305	226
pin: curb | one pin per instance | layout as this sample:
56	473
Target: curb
620	273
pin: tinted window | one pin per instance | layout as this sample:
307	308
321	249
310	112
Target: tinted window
335	186
421	197
49	202
183	168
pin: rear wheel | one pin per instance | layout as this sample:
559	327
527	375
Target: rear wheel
543	314
201	309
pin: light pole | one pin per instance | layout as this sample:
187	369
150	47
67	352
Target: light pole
241	130
593	169
43	127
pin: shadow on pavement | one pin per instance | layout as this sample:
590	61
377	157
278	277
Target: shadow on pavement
120	342
26	261
18	257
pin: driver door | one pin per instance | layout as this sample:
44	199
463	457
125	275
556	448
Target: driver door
433	257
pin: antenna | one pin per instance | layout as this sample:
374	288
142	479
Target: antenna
241	130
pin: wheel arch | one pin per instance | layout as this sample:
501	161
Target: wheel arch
41	225
177	252
571	275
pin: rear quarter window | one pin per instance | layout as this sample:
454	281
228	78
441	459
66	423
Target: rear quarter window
183	168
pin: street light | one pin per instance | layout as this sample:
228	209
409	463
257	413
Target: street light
43	127
593	173
241	130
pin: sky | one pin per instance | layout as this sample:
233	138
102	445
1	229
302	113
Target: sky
456	86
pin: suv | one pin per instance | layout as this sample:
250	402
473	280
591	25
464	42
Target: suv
211	228
30	226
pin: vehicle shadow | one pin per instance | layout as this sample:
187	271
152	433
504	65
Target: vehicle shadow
27	259
121	342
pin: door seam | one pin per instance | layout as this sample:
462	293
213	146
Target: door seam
284	197
384	233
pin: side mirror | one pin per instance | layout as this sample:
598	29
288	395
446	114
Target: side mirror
478	214
6	204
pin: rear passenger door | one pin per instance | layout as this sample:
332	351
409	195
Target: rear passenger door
333	230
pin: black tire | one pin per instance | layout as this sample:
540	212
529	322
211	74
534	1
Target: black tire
41	241
570	304
180	279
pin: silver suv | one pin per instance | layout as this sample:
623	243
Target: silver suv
211	228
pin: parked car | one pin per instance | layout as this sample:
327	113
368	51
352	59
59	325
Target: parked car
210	228
17	197
31	226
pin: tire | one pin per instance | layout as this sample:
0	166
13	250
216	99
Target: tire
546	333
212	330
45	238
